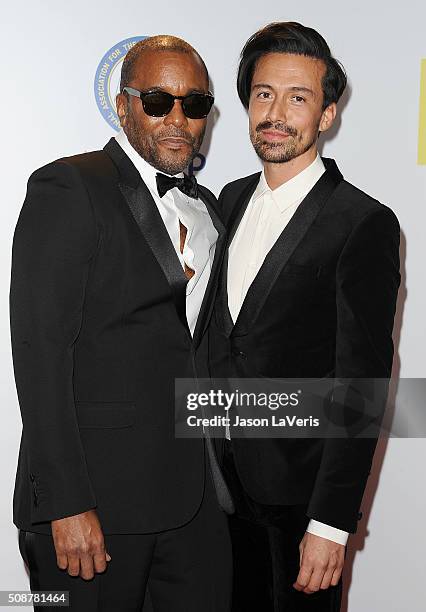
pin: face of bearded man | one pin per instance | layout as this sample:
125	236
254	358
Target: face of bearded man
286	106
168	143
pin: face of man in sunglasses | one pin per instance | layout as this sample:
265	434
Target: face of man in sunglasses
168	143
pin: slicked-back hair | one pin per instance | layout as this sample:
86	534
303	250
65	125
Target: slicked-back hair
162	42
292	38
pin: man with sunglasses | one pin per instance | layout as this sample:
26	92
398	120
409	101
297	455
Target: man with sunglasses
115	260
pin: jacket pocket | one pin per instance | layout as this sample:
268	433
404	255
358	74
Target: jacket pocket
105	415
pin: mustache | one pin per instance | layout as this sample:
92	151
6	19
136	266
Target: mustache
176	133
279	126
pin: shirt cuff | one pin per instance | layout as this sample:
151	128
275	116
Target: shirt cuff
328	532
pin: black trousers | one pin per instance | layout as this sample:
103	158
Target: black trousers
188	569
265	544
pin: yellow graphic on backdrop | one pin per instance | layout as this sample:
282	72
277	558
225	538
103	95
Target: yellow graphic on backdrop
421	157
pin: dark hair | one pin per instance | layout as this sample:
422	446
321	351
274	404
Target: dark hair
293	38
162	42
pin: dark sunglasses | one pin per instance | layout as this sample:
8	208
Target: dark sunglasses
160	103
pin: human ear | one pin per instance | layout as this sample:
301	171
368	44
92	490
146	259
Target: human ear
121	103
328	116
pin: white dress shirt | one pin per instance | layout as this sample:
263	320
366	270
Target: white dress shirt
200	241
265	217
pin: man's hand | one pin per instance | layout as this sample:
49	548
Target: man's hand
321	563
79	544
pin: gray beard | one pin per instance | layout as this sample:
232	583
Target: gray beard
148	150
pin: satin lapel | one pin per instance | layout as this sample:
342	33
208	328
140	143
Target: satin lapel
150	223
234	222
210	293
240	209
285	245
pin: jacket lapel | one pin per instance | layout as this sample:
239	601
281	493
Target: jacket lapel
289	239
234	221
150	223
210	293
239	210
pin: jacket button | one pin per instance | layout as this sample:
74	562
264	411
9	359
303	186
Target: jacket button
239	354
359	515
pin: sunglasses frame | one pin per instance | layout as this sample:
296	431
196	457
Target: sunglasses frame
140	94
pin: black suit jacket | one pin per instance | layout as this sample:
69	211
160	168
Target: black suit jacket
99	333
322	304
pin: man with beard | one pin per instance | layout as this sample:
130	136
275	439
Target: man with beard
308	289
114	268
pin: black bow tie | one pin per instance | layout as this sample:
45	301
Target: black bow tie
187	184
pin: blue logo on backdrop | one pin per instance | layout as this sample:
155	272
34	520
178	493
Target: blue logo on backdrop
197	163
107	79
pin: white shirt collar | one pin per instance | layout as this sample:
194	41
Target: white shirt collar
147	172
293	190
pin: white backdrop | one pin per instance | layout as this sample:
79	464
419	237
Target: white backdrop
51	50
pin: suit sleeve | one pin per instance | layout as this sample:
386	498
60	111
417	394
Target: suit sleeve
367	286
54	243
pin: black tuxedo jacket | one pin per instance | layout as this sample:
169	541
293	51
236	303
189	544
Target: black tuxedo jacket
99	333
322	304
